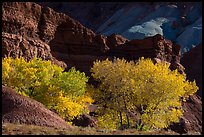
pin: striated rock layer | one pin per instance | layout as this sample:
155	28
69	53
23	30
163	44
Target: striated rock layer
30	30
16	46
19	109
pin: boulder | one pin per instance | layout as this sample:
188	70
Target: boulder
85	121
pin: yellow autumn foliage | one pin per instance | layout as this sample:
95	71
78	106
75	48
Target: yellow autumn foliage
151	91
61	92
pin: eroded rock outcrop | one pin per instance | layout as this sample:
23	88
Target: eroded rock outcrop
19	109
151	47
90	14
27	25
85	121
192	117
31	30
15	46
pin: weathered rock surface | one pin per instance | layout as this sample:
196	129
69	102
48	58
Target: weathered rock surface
82	54
66	40
90	14
19	109
25	32
150	47
192	61
193	114
192	118
31	30
15	46
85	121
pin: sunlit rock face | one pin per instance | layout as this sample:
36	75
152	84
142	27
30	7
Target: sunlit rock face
57	37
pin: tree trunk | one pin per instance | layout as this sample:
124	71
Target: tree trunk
121	119
128	121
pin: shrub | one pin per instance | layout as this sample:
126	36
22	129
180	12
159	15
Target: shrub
141	93
61	92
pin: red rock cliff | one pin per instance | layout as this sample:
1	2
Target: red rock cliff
31	30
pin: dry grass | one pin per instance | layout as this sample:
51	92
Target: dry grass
21	129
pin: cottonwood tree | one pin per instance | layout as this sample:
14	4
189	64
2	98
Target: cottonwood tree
61	92
143	93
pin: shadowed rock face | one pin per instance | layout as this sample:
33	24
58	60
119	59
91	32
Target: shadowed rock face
30	30
192	61
85	121
19	109
90	14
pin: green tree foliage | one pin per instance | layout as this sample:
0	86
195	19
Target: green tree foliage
141	94
61	92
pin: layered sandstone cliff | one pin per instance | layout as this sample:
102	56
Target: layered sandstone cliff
30	30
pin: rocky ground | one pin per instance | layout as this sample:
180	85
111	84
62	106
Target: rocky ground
17	108
22	129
